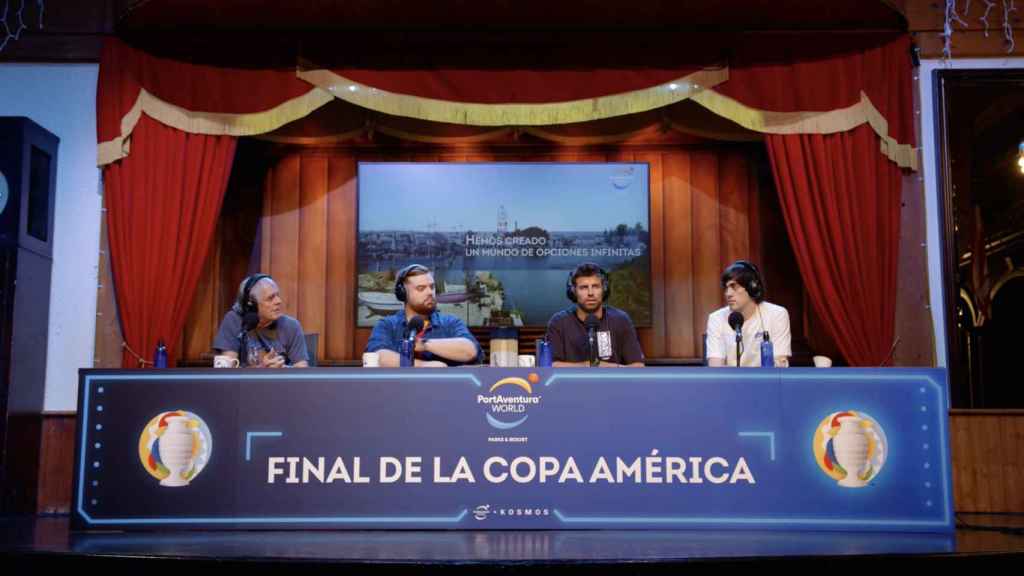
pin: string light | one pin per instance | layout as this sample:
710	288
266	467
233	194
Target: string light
15	33
989	5
947	30
953	17
1007	27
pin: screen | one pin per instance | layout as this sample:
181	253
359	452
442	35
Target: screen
502	238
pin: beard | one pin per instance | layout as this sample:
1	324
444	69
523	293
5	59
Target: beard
425	308
590	308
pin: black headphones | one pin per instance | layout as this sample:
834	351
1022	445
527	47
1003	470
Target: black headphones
400	292
244	302
756	288
570	284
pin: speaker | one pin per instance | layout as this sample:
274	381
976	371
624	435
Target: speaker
28	175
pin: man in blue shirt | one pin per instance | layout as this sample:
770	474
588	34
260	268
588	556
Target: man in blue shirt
444	339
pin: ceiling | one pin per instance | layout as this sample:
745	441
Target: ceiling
495	34
721	15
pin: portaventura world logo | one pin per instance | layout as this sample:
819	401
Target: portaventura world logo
508	400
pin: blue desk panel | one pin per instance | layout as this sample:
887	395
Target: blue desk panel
493	448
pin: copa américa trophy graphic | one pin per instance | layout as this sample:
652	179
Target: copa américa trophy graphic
174	447
851	447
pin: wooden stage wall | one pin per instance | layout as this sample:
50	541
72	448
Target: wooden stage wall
292	213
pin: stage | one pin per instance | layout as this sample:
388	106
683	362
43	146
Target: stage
48	541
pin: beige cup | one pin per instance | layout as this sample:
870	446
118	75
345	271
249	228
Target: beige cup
371	360
526	361
225	362
822	362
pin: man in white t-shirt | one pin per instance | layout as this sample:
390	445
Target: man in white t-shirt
744	293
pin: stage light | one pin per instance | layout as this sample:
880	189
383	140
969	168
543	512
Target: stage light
1020	156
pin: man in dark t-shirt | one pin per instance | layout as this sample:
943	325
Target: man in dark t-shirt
614	341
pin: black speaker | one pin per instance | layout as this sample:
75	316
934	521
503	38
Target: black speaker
28	177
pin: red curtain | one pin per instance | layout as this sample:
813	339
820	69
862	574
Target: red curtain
783	75
841	202
198	88
162	206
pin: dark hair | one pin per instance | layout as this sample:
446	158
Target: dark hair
747	275
587	269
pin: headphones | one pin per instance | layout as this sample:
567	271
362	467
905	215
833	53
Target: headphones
400	292
570	284
244	302
756	288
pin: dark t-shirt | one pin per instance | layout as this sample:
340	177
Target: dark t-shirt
616	337
283	335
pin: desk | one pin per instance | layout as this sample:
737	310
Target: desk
485	448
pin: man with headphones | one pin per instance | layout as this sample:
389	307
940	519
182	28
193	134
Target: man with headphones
744	293
569	333
256	330
443	339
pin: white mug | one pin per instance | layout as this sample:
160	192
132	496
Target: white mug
526	361
822	362
225	362
371	360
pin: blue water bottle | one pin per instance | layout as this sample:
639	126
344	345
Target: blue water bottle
405	353
160	356
543	353
767	352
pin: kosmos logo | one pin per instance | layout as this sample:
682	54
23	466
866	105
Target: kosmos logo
508	401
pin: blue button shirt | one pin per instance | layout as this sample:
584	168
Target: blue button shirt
388	334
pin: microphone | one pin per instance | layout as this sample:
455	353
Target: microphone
736	323
592	323
413	327
250	320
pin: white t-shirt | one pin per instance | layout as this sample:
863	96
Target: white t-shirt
722	338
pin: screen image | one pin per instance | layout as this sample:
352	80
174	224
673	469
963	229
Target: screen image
502	238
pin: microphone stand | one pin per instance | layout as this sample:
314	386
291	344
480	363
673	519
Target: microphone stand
739	346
